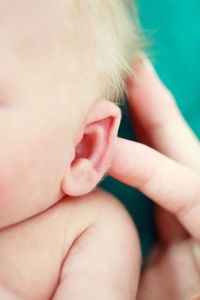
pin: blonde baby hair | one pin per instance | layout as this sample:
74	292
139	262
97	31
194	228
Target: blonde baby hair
107	38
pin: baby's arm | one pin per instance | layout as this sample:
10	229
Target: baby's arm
104	260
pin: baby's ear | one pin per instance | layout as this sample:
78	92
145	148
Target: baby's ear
93	153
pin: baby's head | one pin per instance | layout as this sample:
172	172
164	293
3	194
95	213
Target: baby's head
63	65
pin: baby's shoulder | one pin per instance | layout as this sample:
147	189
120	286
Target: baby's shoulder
62	222
40	244
79	212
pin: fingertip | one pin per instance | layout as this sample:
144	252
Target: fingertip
143	78
142	66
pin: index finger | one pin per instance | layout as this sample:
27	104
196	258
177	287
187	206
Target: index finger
156	115
171	185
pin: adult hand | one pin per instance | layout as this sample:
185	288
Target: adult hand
166	168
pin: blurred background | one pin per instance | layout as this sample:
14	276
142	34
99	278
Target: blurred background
173	29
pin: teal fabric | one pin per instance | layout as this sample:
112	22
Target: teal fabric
173	28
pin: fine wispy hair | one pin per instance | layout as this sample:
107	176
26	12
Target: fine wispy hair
107	38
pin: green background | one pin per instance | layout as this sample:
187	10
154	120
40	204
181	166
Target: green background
173	28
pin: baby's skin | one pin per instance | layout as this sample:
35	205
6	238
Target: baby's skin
57	240
81	248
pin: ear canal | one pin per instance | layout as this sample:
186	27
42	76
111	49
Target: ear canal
94	142
84	148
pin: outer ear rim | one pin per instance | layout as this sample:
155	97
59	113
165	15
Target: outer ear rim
81	177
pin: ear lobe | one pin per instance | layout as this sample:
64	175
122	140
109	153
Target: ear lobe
94	151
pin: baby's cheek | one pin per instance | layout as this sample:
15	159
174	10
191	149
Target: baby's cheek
13	180
2	193
30	178
10	173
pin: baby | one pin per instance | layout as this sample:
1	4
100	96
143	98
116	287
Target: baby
63	65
